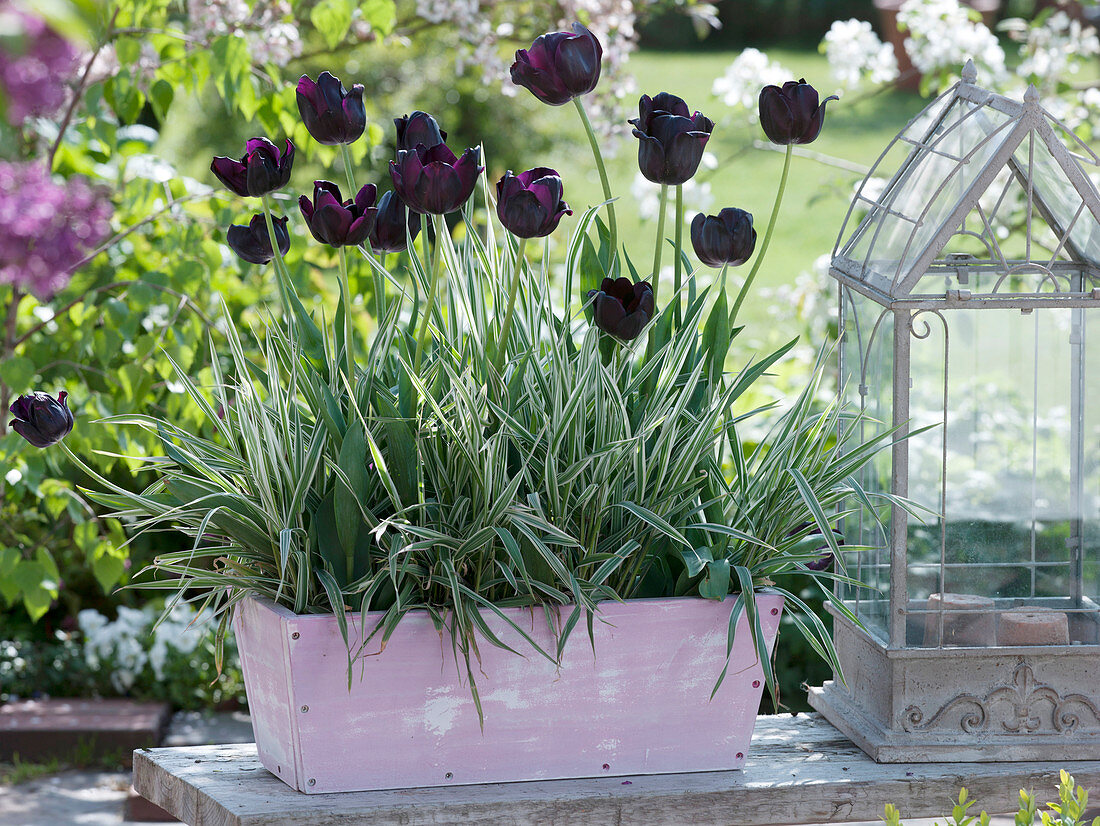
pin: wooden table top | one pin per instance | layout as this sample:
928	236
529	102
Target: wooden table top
800	770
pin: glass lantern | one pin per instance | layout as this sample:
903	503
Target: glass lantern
967	290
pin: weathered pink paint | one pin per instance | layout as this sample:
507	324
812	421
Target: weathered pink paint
640	705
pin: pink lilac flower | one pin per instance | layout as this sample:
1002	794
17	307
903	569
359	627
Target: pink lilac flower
46	228
33	73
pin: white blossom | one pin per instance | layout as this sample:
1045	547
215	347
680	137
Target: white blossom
751	71
128	644
942	36
855	53
1057	47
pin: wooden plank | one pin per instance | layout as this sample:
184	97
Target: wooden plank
800	770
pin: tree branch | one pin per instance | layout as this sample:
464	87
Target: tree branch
78	92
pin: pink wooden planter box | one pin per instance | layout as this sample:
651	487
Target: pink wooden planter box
641	705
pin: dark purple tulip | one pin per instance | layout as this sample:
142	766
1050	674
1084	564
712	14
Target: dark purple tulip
559	66
792	114
330	112
419	127
41	419
725	238
389	233
253	243
622	307
432	181
825	560
335	222
529	204
672	139
263	168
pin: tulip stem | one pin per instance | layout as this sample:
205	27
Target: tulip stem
679	263
380	291
282	277
660	247
345	293
433	286
767	237
602	169
513	289
345	156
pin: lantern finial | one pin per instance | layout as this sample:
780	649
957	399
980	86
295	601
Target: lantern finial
969	72
1032	94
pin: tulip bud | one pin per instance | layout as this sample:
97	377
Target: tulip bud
672	139
330	112
529	204
253	243
725	238
559	66
792	114
335	222
41	419
263	168
432	181
419	127
391	226
622	307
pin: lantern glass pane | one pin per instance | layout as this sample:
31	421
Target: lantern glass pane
867	362
1057	196
945	161
999	469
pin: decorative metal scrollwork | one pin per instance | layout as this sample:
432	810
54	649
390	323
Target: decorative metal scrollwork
1018	706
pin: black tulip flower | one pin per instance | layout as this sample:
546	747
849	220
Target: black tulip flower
330	112
263	168
672	139
419	127
432	181
529	204
791	113
41	419
559	66
335	222
622	307
725	238
825	560
389	233
253	243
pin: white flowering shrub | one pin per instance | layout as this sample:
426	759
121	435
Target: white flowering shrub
942	34
739	87
171	660
856	54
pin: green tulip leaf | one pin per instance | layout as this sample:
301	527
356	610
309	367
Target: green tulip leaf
716	581
353	464
696	559
326	538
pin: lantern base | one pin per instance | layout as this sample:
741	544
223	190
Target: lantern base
963	704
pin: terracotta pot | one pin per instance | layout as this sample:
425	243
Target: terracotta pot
640	704
909	78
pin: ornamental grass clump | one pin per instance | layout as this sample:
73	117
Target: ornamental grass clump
489	445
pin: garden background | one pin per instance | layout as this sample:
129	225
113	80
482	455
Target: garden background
114	267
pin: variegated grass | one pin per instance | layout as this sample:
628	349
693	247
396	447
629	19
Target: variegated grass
427	477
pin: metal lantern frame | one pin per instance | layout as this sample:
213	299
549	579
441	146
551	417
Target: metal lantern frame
970	156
